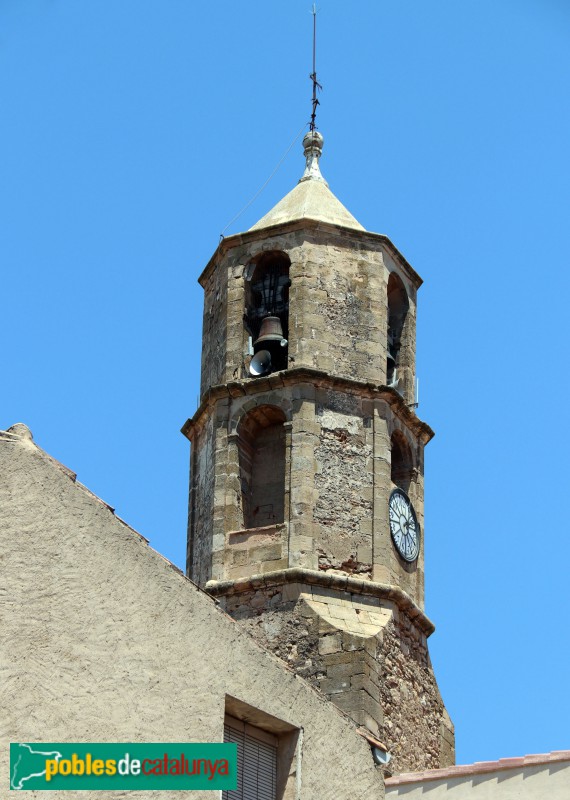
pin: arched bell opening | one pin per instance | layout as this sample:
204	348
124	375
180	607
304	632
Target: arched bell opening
261	446
266	315
398	306
402	465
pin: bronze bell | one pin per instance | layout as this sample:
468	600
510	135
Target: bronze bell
270	331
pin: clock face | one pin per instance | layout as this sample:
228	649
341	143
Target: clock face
404	525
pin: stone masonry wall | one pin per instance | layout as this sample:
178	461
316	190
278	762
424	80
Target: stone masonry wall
214	345
337	305
255	551
338	299
344	485
417	729
365	655
333	476
201	503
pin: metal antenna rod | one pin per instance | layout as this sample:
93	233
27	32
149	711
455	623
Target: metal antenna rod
313	75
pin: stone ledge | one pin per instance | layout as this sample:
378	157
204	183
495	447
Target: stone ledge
314	378
247	533
307	224
337	582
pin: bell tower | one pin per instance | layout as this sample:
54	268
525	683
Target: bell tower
306	494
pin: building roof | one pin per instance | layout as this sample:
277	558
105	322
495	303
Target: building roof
478	768
311	198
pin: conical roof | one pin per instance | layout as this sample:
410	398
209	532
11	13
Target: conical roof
311	198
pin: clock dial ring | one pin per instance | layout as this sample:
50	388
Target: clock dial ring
404	527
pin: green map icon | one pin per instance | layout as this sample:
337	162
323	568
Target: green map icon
100	766
28	764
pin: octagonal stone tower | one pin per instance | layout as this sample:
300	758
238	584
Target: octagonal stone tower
305	429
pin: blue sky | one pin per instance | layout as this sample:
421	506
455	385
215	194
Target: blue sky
133	132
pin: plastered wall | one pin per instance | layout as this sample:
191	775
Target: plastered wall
104	640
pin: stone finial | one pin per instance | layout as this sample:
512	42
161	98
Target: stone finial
21	430
313	149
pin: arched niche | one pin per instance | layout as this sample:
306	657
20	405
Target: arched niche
267	305
398	307
261	448
402	464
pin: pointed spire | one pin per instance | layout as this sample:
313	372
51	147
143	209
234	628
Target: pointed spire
311	198
313	149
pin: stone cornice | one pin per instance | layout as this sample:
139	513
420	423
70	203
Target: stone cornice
309	225
314	377
340	583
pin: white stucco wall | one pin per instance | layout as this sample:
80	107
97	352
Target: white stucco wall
541	778
103	640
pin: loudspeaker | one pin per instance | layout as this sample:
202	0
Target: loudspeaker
260	364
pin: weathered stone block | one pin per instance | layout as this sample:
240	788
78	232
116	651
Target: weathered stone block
265	553
362	681
330	644
239	557
290	591
341	657
351	642
346	670
334	686
271	566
